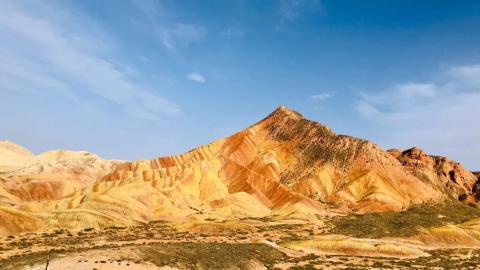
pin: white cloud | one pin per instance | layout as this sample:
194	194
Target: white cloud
40	55
412	90
441	116
196	77
321	96
469	74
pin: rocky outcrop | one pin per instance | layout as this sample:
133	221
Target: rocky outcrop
284	165
441	172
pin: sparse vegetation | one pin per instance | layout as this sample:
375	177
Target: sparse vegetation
210	255
317	144
423	177
194	249
402	224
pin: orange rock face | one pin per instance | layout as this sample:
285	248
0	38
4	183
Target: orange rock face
286	160
439	171
51	175
284	165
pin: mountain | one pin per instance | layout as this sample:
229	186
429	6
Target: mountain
55	174
287	161
29	183
13	156
441	172
284	166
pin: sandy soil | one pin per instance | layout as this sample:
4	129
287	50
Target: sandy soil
244	244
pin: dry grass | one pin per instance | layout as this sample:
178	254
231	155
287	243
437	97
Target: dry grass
210	255
403	224
163	244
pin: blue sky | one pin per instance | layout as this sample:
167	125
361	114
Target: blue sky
139	79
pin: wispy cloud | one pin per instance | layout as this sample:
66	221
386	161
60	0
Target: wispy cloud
196	77
469	75
433	114
398	96
414	90
172	35
293	9
366	110
42	56
323	96
181	34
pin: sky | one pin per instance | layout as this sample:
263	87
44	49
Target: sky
140	79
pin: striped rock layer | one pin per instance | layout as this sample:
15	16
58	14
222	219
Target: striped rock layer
284	165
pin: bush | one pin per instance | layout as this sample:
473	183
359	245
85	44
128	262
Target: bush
403	224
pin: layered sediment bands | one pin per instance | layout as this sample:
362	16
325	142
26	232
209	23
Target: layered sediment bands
14	221
217	175
54	175
338	245
286	161
284	165
340	169
441	172
462	235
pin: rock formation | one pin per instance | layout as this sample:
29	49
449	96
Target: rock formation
55	174
284	165
441	172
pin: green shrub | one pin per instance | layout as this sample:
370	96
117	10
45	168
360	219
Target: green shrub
405	223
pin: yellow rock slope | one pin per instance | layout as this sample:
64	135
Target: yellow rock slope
284	165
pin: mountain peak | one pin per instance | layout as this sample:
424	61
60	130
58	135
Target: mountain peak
283	111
